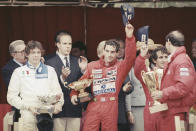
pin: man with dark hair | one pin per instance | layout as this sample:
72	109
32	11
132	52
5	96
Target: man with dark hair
30	81
178	87
193	51
158	58
68	69
78	49
108	74
125	116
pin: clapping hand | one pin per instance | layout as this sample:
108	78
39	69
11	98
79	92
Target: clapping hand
65	72
82	61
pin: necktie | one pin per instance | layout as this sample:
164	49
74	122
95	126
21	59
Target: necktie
67	62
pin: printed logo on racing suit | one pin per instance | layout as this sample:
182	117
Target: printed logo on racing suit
184	72
95	76
27	73
97	73
105	85
112	73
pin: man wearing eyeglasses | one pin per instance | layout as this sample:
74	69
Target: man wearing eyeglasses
16	49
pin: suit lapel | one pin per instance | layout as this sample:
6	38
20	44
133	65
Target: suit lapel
14	64
59	64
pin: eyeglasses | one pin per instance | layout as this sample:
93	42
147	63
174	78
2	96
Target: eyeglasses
22	51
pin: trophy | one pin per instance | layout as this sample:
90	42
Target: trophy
48	101
80	86
152	80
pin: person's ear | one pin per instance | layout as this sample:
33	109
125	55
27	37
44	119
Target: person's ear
57	44
13	54
154	61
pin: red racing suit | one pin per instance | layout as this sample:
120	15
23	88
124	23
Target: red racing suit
107	81
178	86
150	120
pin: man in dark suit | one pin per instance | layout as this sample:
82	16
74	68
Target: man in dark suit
125	116
193	51
16	49
68	70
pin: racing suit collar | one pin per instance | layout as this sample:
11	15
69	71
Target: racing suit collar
102	62
29	65
180	50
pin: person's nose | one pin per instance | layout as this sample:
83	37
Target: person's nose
109	54
37	54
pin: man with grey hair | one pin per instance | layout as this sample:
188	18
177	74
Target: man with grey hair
178	87
34	89
16	49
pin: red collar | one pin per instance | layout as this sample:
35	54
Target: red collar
180	50
102	62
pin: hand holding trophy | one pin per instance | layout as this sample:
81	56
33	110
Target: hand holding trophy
152	80
48	101
80	86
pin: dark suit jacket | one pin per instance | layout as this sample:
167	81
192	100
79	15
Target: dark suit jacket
7	71
69	110
122	114
194	63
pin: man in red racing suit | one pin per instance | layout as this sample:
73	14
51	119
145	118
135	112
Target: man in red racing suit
178	87
159	57
108	74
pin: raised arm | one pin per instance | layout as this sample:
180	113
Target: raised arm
130	52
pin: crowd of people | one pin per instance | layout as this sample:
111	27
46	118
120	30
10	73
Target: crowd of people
121	98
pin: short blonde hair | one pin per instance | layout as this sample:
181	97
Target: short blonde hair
100	48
